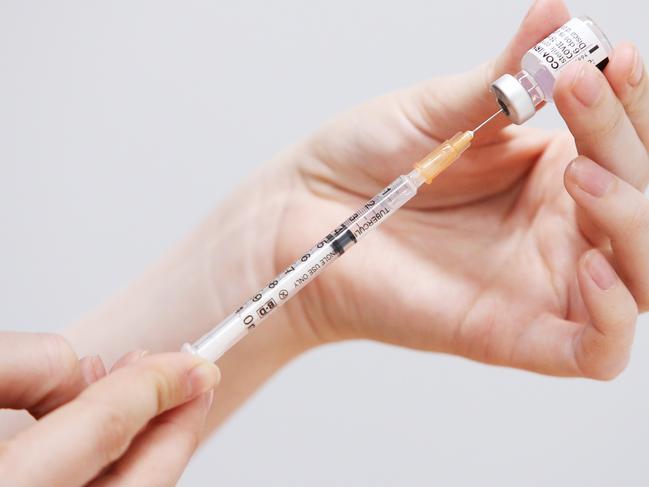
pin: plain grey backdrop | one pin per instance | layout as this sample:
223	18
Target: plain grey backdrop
122	123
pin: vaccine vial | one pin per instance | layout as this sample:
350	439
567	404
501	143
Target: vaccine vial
580	39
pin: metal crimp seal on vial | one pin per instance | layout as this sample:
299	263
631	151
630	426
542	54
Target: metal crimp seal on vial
514	99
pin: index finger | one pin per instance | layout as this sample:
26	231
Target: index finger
628	78
600	124
73	443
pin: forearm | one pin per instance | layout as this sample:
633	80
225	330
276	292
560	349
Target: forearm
198	283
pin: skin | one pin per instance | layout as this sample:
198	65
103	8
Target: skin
530	252
495	260
504	258
141	421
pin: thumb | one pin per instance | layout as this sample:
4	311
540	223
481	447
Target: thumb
461	102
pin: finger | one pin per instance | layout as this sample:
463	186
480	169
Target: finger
466	99
38	372
597	120
128	359
598	349
622	213
74	442
627	75
162	451
547	347
92	369
602	347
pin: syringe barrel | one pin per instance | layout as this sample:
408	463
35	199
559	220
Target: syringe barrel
381	207
305	269
219	340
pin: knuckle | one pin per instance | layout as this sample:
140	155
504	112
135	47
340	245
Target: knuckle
112	431
604	128
635	103
624	321
60	356
637	223
163	386
186	437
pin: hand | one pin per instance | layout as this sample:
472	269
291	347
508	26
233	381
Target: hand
494	261
138	425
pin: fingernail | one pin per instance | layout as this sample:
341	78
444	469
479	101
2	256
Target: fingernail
586	84
600	270
209	398
87	370
98	367
139	354
92	369
637	71
129	358
590	177
201	378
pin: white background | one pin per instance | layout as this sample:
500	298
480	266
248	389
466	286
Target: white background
122	123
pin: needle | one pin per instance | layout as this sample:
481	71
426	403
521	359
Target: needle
487	121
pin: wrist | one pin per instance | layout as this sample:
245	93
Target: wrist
200	281
243	241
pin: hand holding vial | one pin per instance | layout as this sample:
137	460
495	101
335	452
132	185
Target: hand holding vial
515	255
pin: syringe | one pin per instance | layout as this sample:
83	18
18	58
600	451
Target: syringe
304	270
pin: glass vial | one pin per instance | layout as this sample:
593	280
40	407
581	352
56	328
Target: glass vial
580	39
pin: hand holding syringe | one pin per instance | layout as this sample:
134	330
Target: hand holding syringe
519	96
304	270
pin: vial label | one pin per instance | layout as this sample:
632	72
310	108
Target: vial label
574	41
